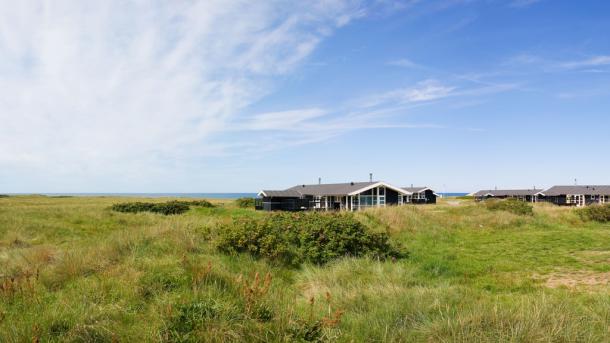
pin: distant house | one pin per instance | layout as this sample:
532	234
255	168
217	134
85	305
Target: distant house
349	196
421	195
529	195
577	195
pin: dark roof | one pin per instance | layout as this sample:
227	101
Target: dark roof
415	189
507	192
282	194
584	190
331	188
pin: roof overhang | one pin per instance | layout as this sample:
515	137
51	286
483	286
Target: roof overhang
386	185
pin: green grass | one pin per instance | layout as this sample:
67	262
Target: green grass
81	272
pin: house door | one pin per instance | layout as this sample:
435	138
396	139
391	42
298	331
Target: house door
580	200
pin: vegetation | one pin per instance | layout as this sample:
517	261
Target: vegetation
510	205
166	208
598	213
465	197
245	202
3	196
295	238
71	269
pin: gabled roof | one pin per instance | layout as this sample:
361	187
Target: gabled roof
280	194
578	190
331	189
507	192
381	183
415	189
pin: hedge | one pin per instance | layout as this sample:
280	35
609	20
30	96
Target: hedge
294	238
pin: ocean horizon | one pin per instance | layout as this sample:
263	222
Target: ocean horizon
180	195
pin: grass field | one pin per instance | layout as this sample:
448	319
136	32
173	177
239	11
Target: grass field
73	270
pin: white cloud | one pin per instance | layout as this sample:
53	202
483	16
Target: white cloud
284	120
595	61
523	3
403	62
427	90
113	84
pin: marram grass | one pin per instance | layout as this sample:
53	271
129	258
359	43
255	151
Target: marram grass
73	270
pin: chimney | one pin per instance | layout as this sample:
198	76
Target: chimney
575	182
496	188
319	181
371	177
411	185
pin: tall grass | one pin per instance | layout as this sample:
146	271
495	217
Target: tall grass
73	270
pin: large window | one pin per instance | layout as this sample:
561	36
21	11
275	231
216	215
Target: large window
371	199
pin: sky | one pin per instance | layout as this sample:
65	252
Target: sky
238	96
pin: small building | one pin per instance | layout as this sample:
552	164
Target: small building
349	196
421	195
577	195
528	195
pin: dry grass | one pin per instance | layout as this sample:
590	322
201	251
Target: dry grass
83	273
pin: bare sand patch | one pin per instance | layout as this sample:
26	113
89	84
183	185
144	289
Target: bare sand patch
578	280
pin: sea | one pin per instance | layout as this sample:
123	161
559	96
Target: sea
159	195
187	195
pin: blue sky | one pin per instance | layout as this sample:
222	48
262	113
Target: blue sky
232	96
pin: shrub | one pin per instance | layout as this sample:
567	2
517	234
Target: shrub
245	202
598	213
294	238
196	203
510	205
167	208
3	196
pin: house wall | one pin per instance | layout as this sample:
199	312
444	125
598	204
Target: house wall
557	200
391	197
283	204
428	198
562	200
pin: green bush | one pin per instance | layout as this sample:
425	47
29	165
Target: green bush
294	238
196	203
510	205
3	196
167	208
597	213
245	202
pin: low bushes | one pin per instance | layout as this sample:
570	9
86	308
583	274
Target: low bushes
3	196
510	205
245	202
166	208
597	213
294	238
197	203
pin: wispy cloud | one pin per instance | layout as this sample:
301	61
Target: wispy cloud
595	61
426	90
404	62
523	3
101	85
283	120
